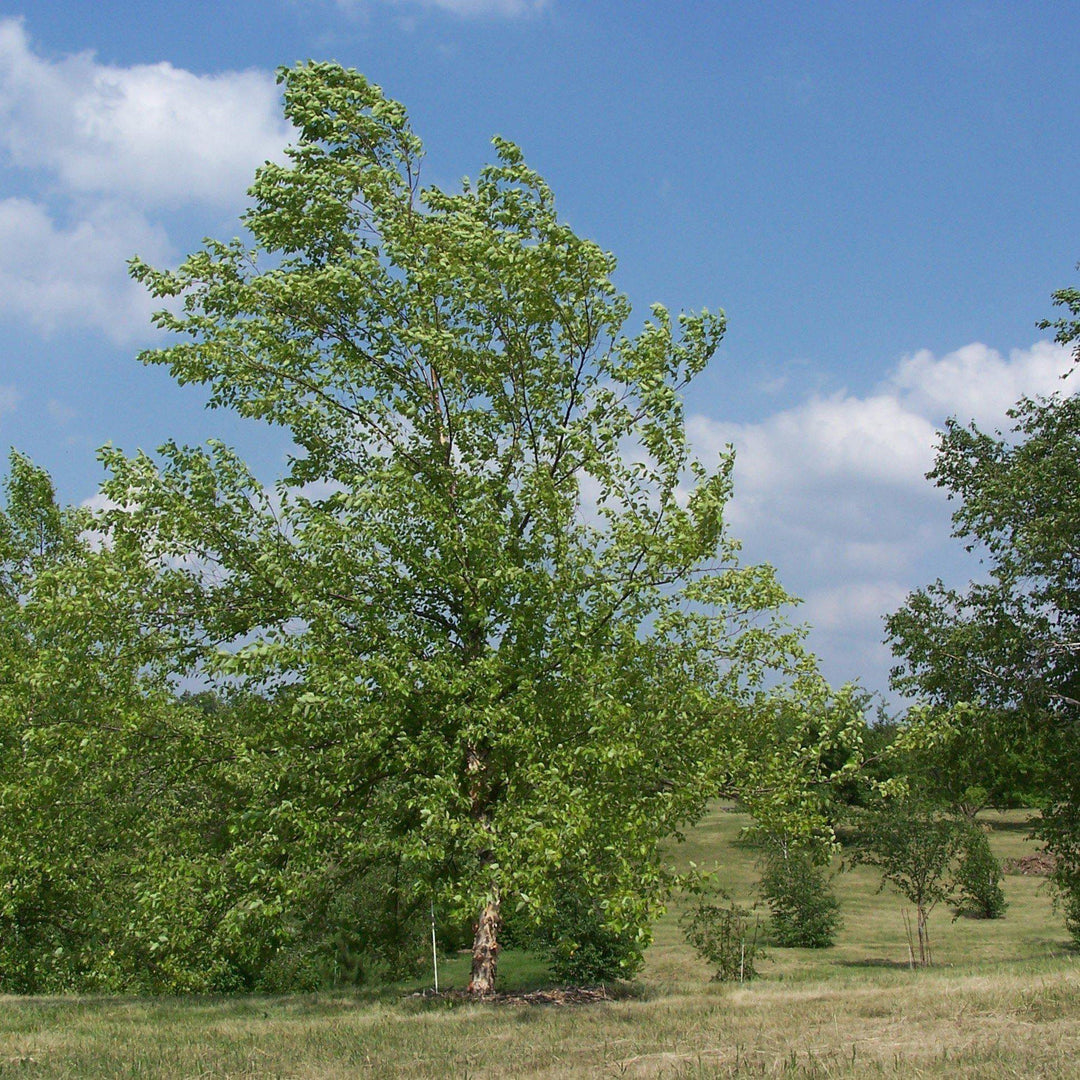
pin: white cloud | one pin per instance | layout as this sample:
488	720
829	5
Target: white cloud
116	145
826	437
506	9
851	606
160	134
833	491
53	275
977	382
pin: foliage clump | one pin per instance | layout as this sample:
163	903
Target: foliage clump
725	934
978	877
583	948
804	910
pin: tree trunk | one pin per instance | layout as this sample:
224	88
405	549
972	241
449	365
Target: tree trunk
485	951
924	937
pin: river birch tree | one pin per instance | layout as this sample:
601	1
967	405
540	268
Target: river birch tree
492	598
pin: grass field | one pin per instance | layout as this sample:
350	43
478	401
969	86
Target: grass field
1002	1001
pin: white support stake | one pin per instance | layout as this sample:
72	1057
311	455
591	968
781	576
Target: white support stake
434	951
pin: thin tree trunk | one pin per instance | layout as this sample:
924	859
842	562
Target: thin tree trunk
485	951
924	937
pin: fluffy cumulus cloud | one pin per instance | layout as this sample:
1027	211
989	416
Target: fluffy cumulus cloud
152	132
833	491
108	151
54	276
977	382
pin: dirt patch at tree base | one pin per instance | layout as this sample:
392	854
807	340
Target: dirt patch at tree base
570	995
1041	864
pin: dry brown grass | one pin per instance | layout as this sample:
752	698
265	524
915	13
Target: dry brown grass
935	1024
1004	1001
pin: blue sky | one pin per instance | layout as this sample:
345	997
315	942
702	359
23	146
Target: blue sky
880	195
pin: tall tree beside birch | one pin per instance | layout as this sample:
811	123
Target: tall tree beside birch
1001	659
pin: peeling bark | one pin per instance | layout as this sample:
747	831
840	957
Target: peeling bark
485	951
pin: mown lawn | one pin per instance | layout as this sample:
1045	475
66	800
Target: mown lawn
1003	1001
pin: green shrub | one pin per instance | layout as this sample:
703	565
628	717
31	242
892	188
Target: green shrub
805	912
355	930
978	878
724	936
1065	881
1059	830
1067	903
582	948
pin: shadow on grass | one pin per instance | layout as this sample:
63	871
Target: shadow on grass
1022	828
876	962
974	915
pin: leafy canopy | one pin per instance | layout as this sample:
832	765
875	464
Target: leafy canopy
491	604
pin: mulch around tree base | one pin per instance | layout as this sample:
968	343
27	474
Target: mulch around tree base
570	995
1041	864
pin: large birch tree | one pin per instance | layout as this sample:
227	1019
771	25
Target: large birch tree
492	604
